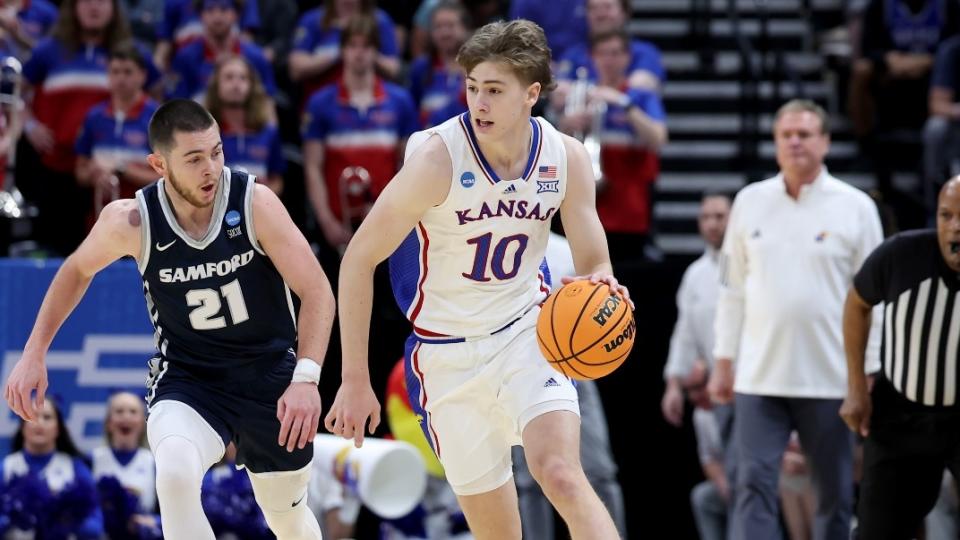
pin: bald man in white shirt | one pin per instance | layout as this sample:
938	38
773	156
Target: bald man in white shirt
793	245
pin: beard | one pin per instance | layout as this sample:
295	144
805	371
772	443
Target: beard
186	195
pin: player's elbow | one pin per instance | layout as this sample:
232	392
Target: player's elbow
73	267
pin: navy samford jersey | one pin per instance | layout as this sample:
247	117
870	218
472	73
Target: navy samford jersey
217	302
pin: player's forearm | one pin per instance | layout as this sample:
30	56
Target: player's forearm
856	331
598	263
355	306
65	292
317	310
592	256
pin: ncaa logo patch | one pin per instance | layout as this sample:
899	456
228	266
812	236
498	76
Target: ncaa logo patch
468	179
232	218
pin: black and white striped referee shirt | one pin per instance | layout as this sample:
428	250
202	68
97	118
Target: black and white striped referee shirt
921	322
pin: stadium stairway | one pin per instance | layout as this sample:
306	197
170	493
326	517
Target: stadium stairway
720	106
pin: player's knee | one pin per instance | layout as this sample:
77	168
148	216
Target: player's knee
179	467
296	523
282	496
558	475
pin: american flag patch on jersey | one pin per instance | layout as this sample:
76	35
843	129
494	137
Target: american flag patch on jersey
547	171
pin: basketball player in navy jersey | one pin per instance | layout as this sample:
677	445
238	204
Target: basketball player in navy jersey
220	259
466	221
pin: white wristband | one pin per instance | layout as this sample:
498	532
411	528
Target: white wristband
306	371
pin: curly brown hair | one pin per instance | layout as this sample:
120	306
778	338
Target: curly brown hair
257	104
519	44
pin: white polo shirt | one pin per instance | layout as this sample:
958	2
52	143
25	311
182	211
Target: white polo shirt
696	307
786	267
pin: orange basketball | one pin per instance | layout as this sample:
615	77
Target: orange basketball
584	331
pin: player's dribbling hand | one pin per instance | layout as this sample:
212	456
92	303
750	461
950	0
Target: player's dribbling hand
604	277
354	404
298	411
28	375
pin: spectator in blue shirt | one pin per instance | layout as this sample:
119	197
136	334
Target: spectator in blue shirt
180	25
436	79
193	65
361	122
645	69
112	145
316	61
237	100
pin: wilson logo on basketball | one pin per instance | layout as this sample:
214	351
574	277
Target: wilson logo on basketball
626	335
606	310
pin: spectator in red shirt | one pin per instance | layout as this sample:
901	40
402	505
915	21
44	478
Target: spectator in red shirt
68	75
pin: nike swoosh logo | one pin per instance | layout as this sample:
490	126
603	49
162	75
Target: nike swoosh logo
162	248
298	500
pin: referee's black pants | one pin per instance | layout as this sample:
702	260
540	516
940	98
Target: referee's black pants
904	455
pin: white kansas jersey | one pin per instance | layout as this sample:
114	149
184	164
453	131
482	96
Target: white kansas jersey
475	263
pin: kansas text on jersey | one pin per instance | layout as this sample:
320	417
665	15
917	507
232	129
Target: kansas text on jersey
475	262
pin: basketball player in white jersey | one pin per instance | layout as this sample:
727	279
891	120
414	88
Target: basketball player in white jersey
467	220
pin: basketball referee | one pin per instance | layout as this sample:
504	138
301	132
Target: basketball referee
911	420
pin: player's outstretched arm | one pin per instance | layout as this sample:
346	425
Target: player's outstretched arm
299	408
116	234
581	223
422	183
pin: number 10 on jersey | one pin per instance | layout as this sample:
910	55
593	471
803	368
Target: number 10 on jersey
483	244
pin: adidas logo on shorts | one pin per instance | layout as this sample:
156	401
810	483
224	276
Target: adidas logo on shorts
551	382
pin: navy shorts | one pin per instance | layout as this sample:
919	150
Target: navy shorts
243	410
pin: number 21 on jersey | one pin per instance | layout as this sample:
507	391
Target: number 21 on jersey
208	303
